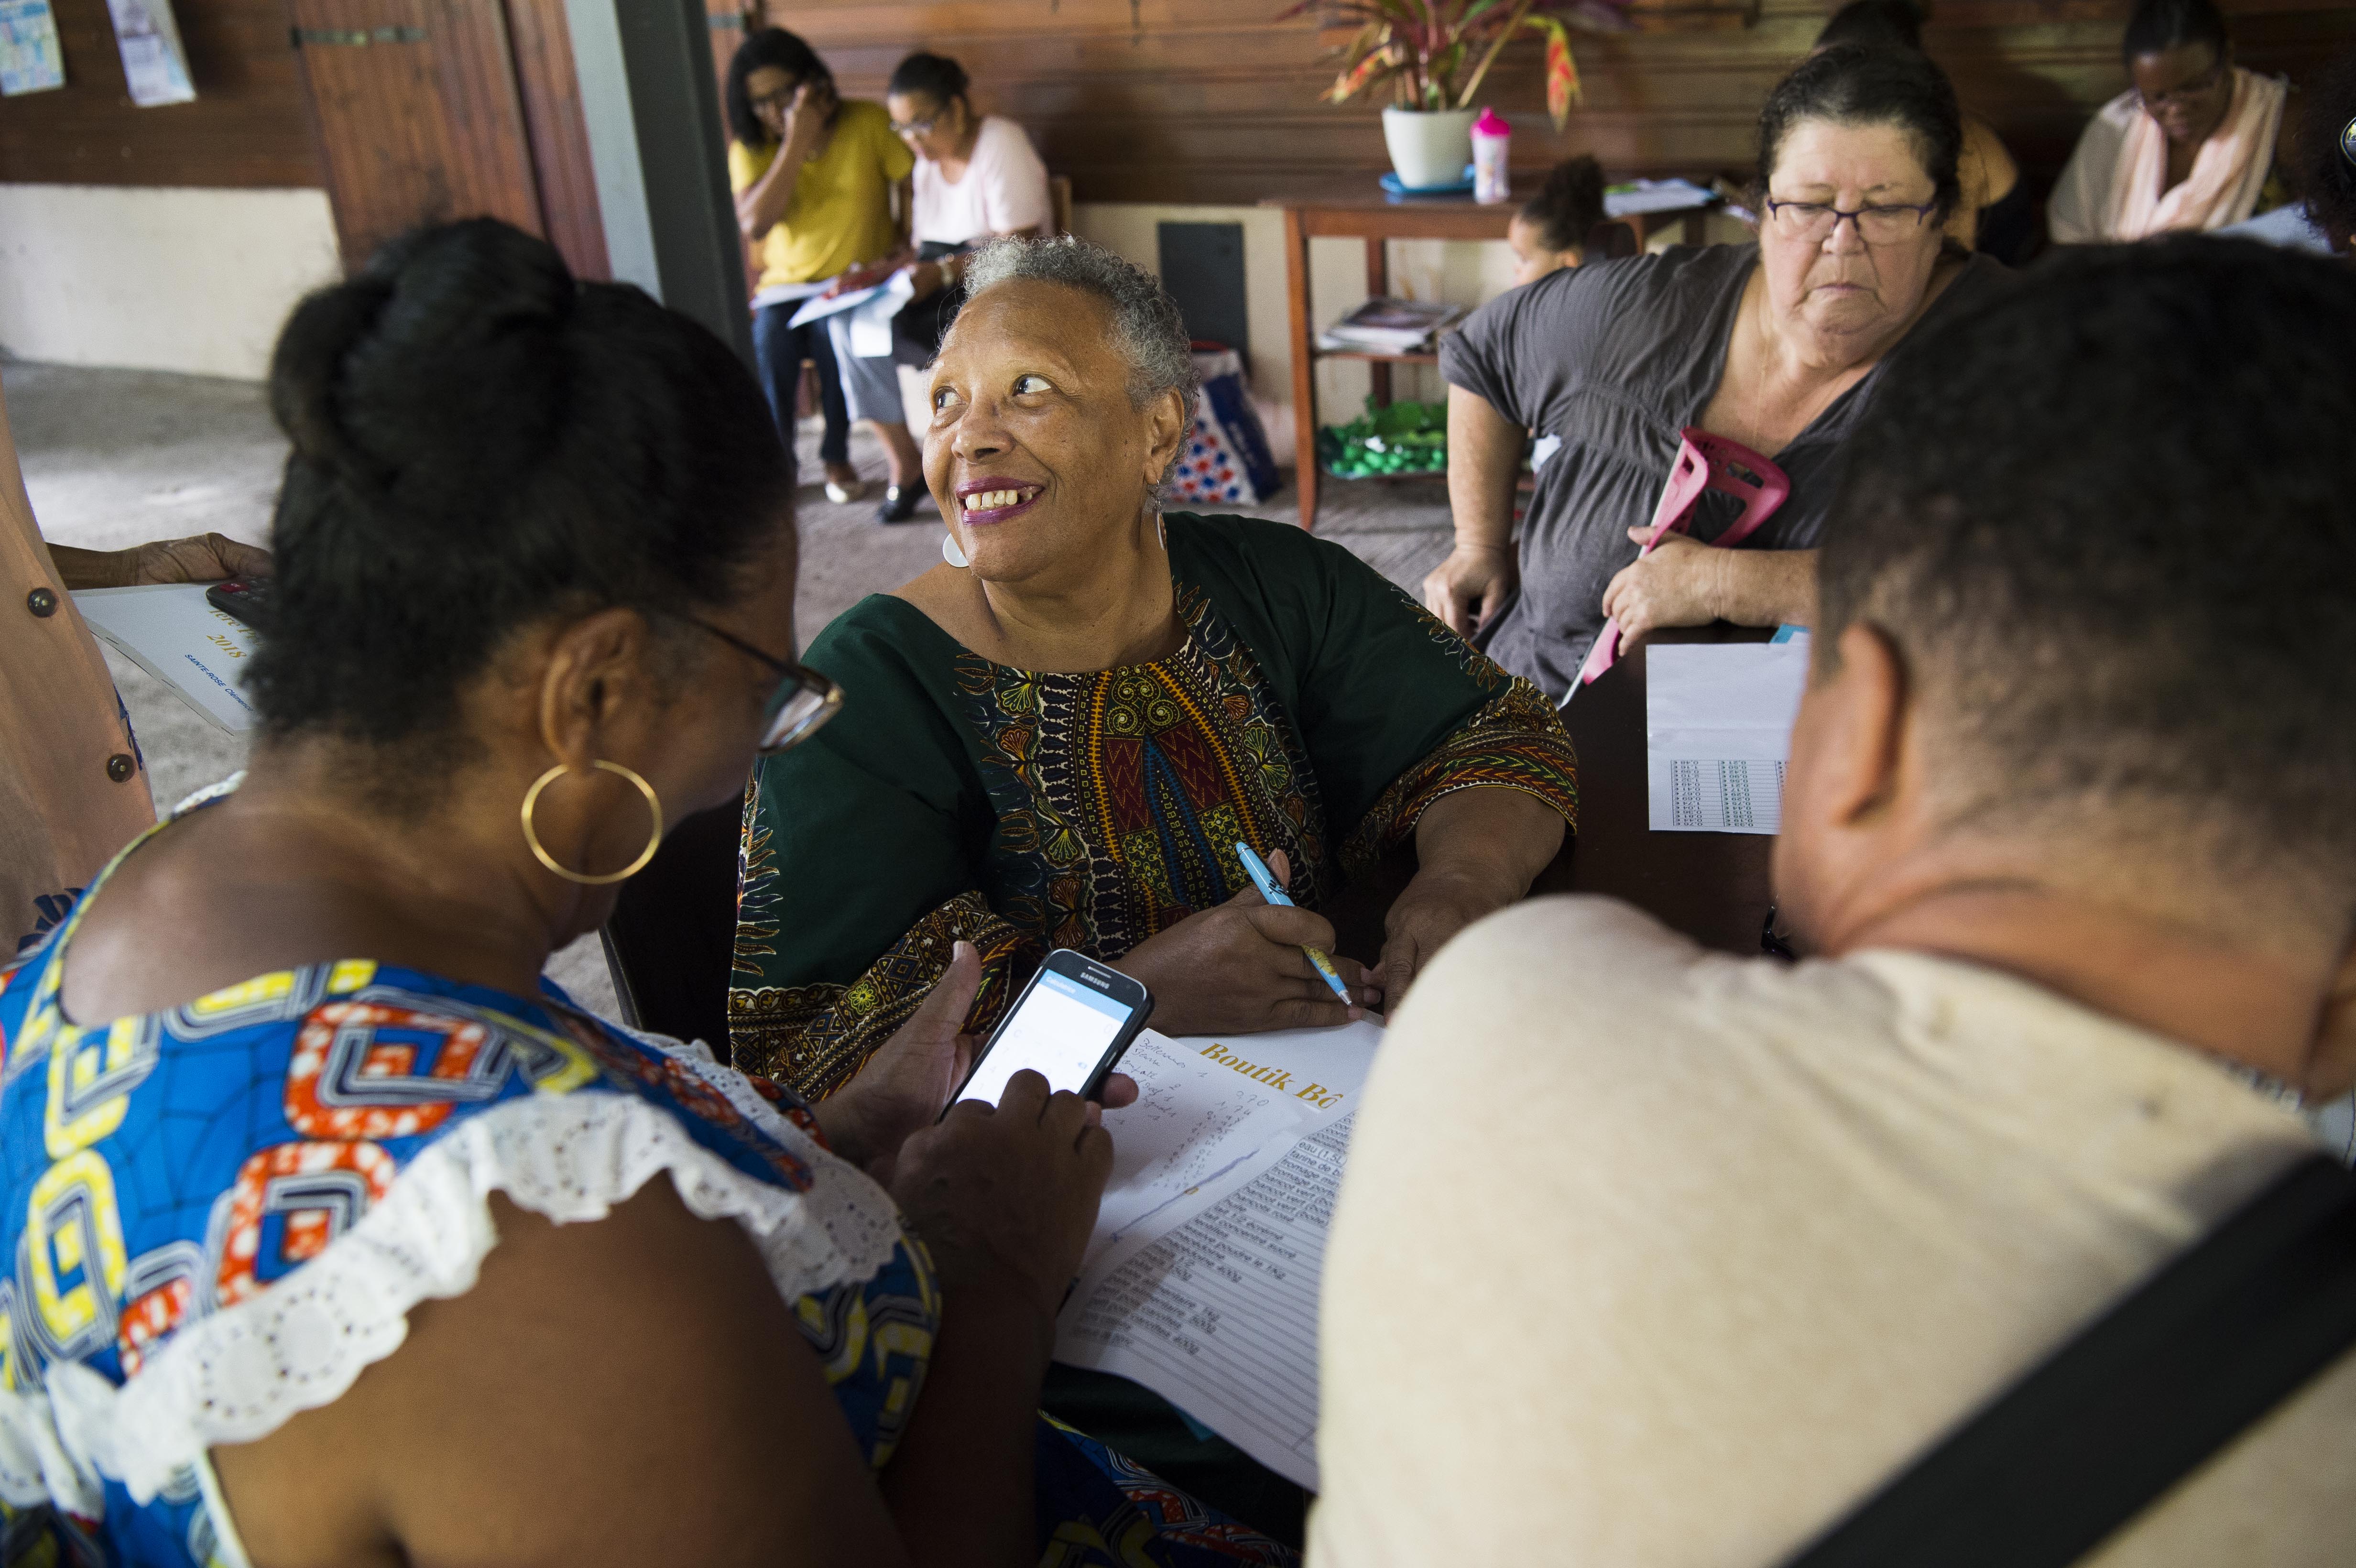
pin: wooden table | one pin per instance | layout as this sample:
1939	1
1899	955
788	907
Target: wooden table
1361	211
1713	887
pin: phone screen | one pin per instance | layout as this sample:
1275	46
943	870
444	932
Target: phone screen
1060	1031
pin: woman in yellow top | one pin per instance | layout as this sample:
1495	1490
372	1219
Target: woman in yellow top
814	176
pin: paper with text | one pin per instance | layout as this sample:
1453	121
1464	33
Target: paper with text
1717	730
169	631
1200	1281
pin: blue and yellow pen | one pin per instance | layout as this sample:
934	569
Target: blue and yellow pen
1266	884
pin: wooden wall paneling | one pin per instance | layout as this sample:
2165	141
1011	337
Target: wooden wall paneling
550	92
1214	100
421	131
248	126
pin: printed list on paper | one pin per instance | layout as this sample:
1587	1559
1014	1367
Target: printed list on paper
1718	731
1200	1281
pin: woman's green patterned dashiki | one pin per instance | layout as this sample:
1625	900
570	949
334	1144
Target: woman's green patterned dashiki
1312	708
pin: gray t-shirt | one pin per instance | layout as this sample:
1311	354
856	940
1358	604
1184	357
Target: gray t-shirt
1616	359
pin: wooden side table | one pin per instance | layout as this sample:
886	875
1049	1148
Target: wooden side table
1361	212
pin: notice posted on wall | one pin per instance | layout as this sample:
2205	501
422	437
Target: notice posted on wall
1201	1279
1717	730
169	631
31	58
153	63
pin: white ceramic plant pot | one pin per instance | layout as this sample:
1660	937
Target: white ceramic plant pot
1429	148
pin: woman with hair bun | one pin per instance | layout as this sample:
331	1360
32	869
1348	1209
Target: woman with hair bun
978	178
356	1240
1549	232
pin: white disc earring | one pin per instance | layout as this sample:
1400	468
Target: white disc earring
951	553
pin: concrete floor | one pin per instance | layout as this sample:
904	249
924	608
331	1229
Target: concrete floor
116	457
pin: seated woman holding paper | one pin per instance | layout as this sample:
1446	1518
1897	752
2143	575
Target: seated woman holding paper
1057	737
355	1241
1771	345
978	178
2193	144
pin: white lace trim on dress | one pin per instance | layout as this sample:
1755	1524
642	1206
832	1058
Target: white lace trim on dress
239	1373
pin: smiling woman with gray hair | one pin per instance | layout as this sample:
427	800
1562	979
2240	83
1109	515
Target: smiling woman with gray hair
1057	737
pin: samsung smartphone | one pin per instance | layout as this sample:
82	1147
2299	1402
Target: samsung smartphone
1070	1025
247	597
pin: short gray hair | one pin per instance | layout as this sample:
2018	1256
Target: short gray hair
1146	325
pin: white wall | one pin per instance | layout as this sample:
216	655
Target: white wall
156	278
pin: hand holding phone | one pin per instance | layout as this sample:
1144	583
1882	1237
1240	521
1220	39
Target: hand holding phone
1070	1025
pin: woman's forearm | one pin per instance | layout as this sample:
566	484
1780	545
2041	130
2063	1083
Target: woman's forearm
1495	835
763	202
960	1486
1485	459
1765	587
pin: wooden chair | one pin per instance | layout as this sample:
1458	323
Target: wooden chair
1059	203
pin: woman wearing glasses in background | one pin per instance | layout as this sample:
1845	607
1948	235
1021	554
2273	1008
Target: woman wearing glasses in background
355	1241
814	175
1773	346
2191	146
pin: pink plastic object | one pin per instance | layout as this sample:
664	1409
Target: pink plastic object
1491	180
1704	462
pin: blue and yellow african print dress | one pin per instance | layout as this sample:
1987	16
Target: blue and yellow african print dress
1311	708
217	1216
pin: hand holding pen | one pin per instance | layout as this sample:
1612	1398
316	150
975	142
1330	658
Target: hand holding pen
1273	892
1238	967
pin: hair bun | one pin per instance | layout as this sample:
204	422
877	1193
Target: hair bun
448	334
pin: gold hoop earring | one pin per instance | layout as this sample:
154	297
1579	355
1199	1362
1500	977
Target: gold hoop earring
654	804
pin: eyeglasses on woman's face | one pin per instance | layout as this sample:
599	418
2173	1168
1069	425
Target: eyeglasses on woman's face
800	706
912	129
1814	221
2184	93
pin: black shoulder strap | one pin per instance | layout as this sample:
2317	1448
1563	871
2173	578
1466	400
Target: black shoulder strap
2169	1377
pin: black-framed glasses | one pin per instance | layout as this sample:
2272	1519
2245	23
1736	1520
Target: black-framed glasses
914	128
1815	221
800	706
2206	82
1773	942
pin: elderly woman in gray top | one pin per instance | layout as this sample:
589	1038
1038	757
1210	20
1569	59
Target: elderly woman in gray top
1773	346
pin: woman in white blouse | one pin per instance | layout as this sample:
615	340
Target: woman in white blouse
978	177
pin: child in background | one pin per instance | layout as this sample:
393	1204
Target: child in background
1549	232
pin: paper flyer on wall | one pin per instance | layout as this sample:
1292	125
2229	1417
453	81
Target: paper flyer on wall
171	633
1201	1282
31	58
1717	730
153	64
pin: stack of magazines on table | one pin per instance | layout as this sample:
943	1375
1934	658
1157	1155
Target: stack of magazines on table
1391	326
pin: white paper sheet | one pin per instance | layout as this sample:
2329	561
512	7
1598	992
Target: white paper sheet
154	66
1653	196
1201	1282
171	633
31	59
1717	730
